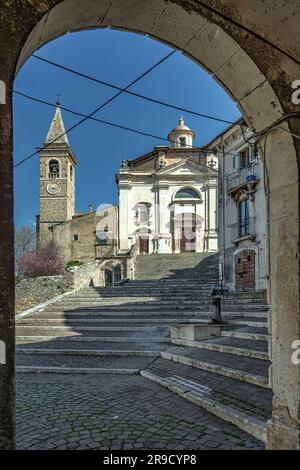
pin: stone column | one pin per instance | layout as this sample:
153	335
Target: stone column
283	430
212	208
123	217
164	219
7	281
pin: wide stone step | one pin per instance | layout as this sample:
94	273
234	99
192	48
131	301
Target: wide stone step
152	307
121	346
72	370
138	301
163	283
254	371
238	347
257	334
133	295
30	351
117	316
128	332
21	339
242	404
74	322
104	363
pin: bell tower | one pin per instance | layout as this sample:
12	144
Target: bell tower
57	180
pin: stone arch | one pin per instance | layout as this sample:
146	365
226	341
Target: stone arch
237	60
113	271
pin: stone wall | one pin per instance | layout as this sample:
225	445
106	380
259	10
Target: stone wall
87	275
77	238
34	291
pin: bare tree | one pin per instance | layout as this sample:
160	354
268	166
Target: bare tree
24	240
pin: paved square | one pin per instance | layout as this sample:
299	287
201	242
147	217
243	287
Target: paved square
115	412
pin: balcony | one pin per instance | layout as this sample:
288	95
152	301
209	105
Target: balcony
240	232
244	178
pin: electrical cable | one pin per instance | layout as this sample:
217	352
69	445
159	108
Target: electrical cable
102	105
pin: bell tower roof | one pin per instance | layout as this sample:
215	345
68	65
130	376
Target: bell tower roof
57	131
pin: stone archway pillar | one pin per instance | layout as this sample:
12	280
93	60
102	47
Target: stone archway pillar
257	76
7	282
283	430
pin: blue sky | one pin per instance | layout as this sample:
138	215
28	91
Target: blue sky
116	57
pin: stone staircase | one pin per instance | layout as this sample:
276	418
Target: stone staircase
126	330
177	265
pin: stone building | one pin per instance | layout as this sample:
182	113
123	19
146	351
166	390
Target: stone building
242	209
167	198
79	236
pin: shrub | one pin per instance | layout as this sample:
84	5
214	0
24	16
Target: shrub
72	264
43	262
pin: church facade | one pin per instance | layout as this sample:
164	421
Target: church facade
168	197
167	201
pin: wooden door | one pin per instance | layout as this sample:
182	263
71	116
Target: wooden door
144	244
187	240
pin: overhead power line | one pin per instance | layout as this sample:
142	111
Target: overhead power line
132	93
140	77
109	123
101	121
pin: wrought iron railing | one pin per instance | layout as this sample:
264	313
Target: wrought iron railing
242	177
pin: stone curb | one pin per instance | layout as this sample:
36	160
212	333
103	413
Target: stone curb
249	424
41	307
236	374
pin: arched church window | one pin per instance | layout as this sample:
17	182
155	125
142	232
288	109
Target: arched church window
187	193
53	169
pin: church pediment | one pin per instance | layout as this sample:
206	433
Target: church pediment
187	167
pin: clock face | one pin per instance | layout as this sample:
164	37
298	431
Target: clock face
53	188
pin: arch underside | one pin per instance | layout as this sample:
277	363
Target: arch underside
226	60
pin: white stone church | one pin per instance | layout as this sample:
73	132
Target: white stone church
167	198
167	201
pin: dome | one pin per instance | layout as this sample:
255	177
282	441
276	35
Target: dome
181	126
181	136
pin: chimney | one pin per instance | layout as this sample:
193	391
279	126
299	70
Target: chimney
90	208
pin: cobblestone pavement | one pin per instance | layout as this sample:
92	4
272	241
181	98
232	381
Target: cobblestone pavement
115	412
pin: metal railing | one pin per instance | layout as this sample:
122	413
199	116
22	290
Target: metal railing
242	176
243	230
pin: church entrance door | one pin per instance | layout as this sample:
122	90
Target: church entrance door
144	244
188	234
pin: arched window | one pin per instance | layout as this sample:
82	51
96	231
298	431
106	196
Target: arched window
53	169
187	193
